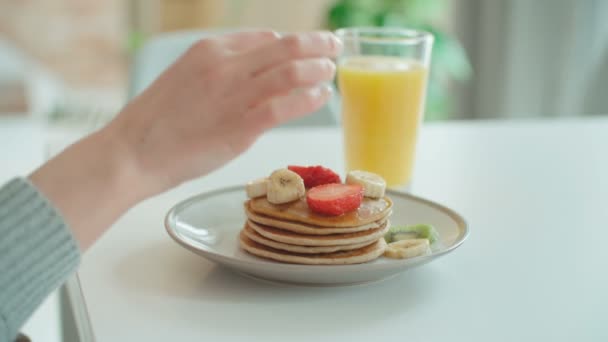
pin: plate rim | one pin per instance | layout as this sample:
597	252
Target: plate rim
461	222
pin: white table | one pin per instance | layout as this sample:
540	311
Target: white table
535	194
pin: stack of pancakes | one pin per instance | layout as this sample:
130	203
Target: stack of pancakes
292	233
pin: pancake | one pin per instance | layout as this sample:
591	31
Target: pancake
255	236
318	240
303	228
356	256
371	210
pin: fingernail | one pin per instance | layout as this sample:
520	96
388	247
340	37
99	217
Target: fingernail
332	41
329	64
337	43
325	90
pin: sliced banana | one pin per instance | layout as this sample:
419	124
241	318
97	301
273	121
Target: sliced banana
373	185
405	249
284	186
257	188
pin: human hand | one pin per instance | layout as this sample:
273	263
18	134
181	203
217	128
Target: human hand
219	97
204	110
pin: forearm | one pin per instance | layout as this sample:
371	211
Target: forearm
91	184
178	129
64	206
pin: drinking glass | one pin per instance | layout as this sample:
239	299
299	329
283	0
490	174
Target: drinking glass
382	80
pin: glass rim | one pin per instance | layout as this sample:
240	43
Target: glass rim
396	35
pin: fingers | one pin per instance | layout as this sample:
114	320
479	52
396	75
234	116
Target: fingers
288	76
287	107
290	47
247	40
216	48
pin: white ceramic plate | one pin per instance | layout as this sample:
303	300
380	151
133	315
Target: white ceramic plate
209	225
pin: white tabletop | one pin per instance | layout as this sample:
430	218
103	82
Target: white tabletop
534	268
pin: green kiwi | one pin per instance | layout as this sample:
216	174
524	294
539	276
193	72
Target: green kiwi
417	231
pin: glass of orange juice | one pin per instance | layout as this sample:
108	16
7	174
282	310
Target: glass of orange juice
382	79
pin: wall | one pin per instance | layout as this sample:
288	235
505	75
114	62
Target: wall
84	43
83	40
172	15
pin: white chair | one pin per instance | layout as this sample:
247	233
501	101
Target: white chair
159	52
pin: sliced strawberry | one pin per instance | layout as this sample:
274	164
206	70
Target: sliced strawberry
334	199
315	175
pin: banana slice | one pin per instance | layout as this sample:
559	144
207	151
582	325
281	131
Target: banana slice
284	186
373	185
405	249
256	188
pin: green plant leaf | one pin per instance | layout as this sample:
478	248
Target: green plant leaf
448	56
135	40
423	11
370	6
437	102
390	19
448	61
337	15
456	61
347	14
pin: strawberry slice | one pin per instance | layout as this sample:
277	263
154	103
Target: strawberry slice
315	175
334	199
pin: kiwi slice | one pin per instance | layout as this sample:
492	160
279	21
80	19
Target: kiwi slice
417	231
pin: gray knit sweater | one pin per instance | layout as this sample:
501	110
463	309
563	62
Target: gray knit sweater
37	253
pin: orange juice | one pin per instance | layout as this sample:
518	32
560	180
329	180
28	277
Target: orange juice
382	104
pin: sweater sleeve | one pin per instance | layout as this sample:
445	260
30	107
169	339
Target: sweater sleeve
37	253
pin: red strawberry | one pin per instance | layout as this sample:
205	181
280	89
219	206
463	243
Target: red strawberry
334	199
315	175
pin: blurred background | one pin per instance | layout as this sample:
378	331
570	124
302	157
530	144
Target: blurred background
80	60
69	63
